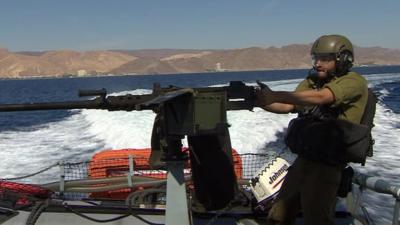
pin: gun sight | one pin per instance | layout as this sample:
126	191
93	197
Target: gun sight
87	93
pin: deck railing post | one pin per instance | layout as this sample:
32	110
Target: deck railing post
396	212
177	208
62	177
131	171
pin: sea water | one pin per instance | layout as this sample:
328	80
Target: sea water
30	141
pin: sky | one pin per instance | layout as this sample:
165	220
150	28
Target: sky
39	25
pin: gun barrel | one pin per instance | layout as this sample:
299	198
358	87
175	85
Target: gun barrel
89	104
87	93
239	97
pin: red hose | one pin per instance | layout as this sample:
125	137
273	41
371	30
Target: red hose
22	192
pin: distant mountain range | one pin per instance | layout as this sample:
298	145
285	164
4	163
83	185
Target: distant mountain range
162	61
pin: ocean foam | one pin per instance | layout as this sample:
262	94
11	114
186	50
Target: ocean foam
87	131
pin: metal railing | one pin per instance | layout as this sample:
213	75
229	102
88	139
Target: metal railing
380	186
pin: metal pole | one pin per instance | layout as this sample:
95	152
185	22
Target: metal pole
131	172
396	212
62	177
177	207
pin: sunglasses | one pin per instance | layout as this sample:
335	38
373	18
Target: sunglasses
323	58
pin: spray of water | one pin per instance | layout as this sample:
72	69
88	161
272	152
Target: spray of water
79	136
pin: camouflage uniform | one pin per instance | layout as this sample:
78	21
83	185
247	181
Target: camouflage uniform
312	186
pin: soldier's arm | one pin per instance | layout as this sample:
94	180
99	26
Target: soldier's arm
304	98
284	101
277	107
280	108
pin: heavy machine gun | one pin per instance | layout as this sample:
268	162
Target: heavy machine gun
200	115
237	96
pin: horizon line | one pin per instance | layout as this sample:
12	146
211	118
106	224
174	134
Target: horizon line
171	48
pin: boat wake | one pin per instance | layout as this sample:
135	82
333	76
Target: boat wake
79	136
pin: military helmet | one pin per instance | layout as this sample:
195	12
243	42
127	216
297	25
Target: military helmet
337	45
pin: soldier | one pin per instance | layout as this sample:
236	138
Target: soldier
330	89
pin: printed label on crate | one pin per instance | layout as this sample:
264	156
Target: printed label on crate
268	180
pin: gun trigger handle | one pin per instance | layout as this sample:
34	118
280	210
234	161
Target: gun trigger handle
261	84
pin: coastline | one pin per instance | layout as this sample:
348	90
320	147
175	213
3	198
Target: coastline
44	77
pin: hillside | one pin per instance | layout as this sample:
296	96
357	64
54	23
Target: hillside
58	63
161	61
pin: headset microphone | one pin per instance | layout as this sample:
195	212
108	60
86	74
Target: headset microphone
313	73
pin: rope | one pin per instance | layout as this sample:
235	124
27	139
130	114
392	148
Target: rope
139	196
91	218
142	193
32	174
66	206
78	163
228	207
36	211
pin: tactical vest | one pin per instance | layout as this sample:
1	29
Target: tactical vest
318	134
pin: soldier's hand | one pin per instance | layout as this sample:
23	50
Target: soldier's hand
261	98
264	95
261	84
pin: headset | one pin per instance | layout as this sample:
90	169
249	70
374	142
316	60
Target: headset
344	61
